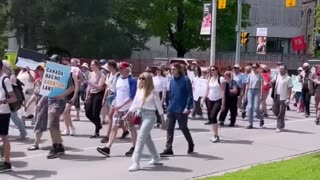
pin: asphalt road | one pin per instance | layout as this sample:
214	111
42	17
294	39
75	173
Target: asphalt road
239	147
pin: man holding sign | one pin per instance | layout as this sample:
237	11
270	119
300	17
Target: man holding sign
57	84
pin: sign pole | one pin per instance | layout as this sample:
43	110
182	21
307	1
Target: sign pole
213	33
238	30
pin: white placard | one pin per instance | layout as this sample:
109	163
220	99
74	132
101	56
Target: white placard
200	88
274	73
24	63
297	86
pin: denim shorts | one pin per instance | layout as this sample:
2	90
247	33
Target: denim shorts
110	99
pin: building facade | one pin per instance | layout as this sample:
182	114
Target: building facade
308	22
282	24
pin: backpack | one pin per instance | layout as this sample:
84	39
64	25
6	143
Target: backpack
18	91
228	89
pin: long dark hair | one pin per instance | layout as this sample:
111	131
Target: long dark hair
198	72
180	68
216	68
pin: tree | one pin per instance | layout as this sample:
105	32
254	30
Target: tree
83	28
177	22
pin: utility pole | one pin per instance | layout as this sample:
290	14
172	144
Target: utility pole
238	30
213	33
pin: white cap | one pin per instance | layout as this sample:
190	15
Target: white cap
85	65
300	69
306	65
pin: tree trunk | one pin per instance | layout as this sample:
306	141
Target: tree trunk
180	53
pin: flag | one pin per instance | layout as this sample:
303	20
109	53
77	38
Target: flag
298	43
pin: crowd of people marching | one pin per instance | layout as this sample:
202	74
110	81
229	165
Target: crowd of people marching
113	96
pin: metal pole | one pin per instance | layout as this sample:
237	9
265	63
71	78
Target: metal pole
238	30
213	33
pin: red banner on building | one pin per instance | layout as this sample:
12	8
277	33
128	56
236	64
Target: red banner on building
298	43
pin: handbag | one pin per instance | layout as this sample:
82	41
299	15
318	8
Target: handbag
136	119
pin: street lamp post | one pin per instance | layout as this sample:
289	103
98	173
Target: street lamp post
213	33
238	30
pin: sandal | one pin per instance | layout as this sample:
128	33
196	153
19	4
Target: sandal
33	148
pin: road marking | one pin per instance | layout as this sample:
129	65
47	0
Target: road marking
156	139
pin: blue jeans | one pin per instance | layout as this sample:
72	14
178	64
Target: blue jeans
254	104
148	118
297	97
18	122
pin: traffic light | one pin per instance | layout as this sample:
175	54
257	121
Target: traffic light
290	3
244	37
222	4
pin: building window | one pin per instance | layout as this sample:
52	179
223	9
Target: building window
301	20
309	17
309	41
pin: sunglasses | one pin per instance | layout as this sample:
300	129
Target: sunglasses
254	67
142	78
212	69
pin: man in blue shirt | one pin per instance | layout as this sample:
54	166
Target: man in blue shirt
241	79
180	104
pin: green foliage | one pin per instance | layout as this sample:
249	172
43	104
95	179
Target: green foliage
305	167
317	29
84	28
177	23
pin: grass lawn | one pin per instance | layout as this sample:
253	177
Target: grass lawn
301	168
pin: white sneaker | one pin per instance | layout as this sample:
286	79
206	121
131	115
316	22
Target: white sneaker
73	131
154	162
278	130
215	139
65	133
134	167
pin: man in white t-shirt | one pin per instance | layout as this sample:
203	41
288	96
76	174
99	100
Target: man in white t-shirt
125	90
282	95
7	96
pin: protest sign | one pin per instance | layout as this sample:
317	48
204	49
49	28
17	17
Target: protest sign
55	79
273	73
297	86
28	58
24	63
200	88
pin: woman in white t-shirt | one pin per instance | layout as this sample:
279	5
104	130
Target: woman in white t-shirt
215	99
160	86
196	96
146	103
109	95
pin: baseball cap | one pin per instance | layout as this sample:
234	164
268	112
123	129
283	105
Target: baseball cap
103	61
305	65
300	69
236	66
280	63
124	65
264	67
85	65
55	58
105	67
